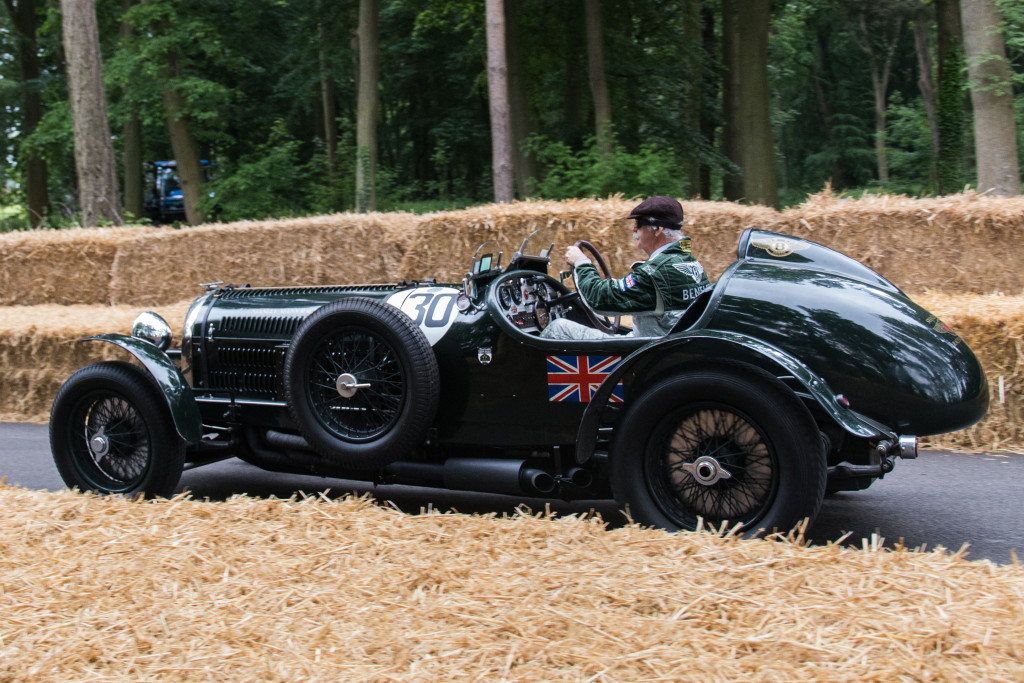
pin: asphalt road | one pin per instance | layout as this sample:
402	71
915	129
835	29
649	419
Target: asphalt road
941	498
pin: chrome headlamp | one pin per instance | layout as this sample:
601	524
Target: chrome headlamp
152	328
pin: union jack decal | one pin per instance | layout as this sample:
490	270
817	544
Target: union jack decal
577	378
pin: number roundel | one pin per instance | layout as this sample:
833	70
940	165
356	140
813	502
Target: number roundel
432	309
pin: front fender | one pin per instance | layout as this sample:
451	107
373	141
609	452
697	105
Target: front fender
178	394
715	345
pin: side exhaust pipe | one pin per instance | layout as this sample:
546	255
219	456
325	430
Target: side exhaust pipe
510	477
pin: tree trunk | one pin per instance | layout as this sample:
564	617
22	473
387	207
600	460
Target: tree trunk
497	87
755	126
821	71
995	138
707	120
732	179
328	102
524	124
693	69
598	81
94	152
366	109
951	99
575	100
924	82
881	66
23	16
183	142
132	141
133	173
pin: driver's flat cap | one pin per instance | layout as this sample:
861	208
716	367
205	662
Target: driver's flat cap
661	209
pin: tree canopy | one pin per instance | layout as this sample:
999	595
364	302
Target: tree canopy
860	95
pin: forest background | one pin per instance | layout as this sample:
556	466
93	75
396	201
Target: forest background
311	106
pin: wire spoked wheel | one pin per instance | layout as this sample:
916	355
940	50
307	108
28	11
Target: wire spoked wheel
362	382
111	441
711	463
110	432
357	384
719	445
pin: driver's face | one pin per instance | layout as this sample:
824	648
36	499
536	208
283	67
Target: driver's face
646	237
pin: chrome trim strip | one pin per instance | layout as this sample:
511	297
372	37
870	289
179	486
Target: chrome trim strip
240	401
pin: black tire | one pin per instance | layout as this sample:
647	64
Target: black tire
111	432
377	345
720	446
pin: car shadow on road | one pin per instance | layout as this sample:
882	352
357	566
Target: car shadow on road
230	478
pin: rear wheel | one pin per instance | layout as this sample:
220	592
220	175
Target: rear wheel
110	432
714	446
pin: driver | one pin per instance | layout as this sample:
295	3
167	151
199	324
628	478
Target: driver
656	293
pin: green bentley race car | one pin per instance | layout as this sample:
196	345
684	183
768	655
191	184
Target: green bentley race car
800	371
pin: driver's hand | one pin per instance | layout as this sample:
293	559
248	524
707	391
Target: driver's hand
573	254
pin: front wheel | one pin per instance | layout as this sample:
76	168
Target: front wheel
110	432
713	446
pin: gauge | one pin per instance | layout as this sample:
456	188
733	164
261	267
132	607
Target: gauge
543	316
505	295
516	289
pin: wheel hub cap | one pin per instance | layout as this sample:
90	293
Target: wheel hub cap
348	385
706	470
99	444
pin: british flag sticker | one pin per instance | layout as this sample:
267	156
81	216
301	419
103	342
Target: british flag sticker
577	378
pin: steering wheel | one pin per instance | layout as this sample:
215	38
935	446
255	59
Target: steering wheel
601	322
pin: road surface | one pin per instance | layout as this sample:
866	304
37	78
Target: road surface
941	498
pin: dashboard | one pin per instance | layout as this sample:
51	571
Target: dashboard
524	300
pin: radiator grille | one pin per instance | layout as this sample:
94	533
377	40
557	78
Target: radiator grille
262	325
259	383
250	370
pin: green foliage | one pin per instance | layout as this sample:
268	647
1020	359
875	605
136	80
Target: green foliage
269	183
951	121
590	172
911	160
12	216
252	76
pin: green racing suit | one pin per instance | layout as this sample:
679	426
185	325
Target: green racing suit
655	293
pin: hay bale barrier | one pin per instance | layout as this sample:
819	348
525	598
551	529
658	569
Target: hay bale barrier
993	326
962	243
445	242
319	250
319	590
60	266
40	349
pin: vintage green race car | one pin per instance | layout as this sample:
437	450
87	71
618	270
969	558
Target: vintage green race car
801	371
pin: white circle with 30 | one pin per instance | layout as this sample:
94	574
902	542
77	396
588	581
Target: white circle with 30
433	309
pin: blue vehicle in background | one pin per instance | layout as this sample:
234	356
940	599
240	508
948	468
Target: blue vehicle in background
164	201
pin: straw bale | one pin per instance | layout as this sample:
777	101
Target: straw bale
993	326
320	590
958	243
59	266
445	242
39	350
327	249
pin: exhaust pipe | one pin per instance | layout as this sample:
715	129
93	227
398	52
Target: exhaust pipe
510	477
579	477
